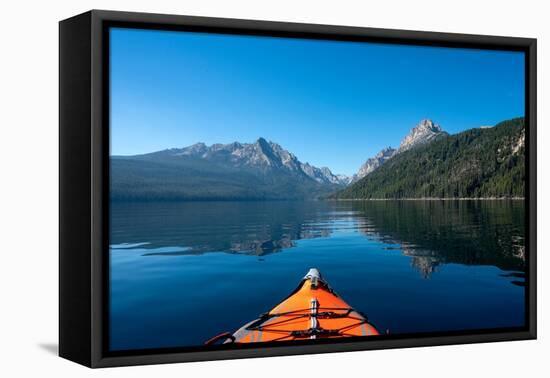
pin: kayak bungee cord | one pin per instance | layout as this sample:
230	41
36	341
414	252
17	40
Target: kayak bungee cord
312	311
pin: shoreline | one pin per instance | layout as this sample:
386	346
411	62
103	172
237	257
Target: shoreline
432	199
172	200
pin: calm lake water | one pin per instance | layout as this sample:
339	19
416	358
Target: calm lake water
184	272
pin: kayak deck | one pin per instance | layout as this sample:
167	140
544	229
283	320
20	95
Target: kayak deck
312	311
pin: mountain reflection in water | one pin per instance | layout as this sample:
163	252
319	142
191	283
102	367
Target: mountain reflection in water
430	232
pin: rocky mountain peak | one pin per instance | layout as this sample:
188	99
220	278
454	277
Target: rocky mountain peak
193	150
263	143
424	132
428	124
264	148
374	162
262	155
385	152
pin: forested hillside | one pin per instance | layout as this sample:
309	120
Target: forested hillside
482	162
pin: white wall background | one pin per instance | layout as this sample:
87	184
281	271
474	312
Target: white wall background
28	189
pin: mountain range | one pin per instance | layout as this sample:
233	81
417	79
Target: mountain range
264	170
252	171
262	155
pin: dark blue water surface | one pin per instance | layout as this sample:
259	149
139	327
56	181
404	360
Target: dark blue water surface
184	272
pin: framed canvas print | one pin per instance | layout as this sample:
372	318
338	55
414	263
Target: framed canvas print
234	188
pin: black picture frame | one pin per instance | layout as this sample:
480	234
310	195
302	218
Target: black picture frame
84	179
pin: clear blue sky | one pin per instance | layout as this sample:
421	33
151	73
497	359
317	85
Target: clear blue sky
331	103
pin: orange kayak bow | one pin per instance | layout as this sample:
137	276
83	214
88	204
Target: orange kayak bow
312	311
